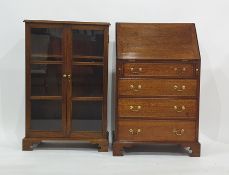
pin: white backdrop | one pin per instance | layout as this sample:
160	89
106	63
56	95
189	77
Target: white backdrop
210	16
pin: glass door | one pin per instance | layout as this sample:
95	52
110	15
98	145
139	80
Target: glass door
87	69
45	79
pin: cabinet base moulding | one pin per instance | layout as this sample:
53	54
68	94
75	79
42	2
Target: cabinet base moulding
192	148
28	144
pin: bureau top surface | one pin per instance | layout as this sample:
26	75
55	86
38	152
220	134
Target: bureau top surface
67	22
174	41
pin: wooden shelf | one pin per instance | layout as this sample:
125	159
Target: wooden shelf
87	98
88	63
46	62
46	98
46	56
88	57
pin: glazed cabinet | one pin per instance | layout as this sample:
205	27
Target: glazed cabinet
66	82
157	86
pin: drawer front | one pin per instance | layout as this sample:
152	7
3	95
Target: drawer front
157	108
154	130
158	69
157	87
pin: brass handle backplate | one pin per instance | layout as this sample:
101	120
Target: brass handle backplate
135	108
178	132
135	88
180	70
135	70
179	109
182	88
135	132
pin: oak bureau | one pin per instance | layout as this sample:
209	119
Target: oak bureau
157	86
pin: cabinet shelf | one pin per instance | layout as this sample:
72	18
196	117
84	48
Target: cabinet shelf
87	98
46	56
46	62
88	57
88	63
46	98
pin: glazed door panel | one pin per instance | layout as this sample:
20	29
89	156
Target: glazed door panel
86	42
46	43
86	99
87	116
46	88
87	82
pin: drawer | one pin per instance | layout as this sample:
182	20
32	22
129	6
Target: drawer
158	69
157	87
154	130
157	108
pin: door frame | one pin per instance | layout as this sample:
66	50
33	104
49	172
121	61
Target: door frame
88	134
42	133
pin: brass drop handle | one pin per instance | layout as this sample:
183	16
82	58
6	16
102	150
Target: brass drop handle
132	132
135	88
180	70
133	70
179	109
183	87
178	132
135	108
64	75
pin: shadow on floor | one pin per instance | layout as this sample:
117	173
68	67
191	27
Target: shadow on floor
157	149
66	145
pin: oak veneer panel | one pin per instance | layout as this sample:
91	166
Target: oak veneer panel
157	87
157	41
154	130
157	108
158	70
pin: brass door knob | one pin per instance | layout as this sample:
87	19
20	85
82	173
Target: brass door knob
69	77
